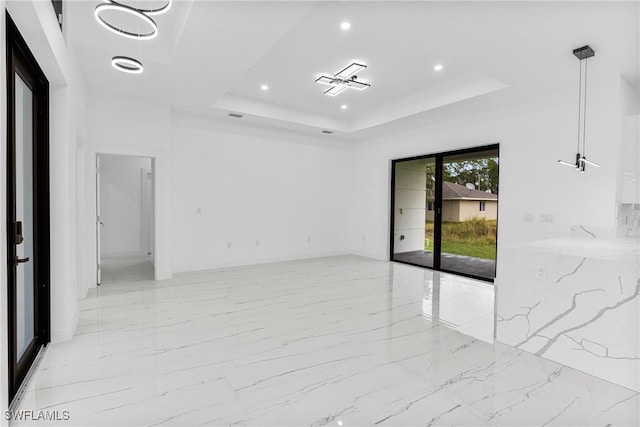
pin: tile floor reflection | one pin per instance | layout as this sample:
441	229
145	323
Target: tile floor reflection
325	342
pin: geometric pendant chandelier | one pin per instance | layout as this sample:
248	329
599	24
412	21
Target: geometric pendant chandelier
343	80
583	54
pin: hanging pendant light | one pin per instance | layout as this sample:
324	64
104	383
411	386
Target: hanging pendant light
126	64
583	54
121	8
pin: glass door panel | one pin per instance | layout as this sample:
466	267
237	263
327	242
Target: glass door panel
25	307
470	213
414	212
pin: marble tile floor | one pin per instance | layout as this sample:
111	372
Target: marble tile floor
126	269
340	341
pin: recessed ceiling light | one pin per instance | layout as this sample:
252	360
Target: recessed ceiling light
344	107
345	25
438	67
264	87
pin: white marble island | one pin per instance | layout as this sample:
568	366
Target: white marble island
575	301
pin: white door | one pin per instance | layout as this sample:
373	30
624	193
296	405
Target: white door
147	212
98	223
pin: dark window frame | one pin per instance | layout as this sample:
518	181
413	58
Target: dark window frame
20	60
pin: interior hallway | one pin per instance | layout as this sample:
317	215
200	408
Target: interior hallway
329	341
126	269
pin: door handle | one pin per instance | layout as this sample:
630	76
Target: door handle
21	260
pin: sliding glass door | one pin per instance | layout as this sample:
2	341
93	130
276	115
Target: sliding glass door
445	211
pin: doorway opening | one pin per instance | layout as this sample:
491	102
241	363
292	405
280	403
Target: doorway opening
125	218
444	212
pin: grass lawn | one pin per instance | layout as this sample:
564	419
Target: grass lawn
474	238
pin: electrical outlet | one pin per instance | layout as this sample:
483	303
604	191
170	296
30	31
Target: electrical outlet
309	239
547	218
528	217
228	245
257	242
199	210
541	272
364	238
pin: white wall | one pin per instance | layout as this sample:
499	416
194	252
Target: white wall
271	195
132	127
219	182
121	204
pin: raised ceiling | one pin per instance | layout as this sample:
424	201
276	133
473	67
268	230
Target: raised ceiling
212	57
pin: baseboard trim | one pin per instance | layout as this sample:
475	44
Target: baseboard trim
371	255
217	266
123	254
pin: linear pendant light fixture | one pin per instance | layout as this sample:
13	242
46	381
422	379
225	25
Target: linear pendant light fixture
583	54
343	80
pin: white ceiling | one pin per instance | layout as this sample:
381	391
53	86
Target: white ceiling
211	57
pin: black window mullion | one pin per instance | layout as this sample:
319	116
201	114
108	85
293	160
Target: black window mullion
437	218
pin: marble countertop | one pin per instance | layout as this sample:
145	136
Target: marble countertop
612	249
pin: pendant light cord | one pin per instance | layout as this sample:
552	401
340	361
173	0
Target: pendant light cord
584	118
579	104
139	44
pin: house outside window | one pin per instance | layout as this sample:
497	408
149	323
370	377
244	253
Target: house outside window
482	206
430	205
